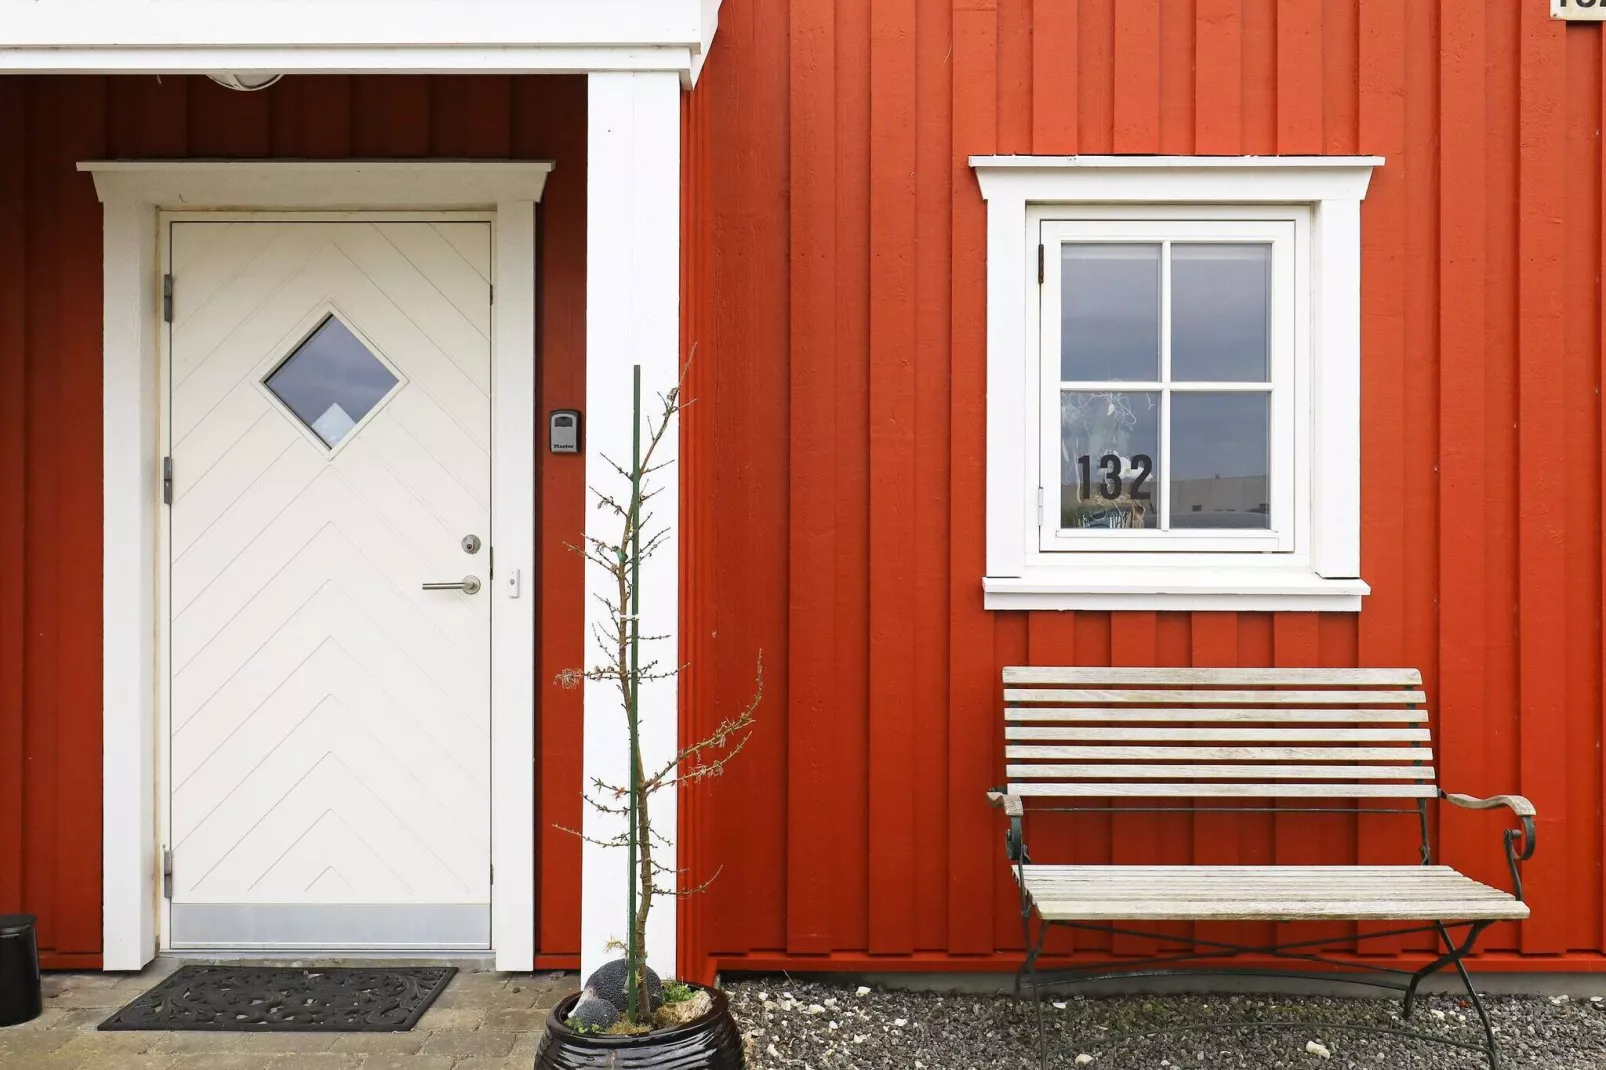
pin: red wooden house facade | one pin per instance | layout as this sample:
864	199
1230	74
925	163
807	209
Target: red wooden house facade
836	265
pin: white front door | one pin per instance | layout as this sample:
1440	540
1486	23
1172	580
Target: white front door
329	427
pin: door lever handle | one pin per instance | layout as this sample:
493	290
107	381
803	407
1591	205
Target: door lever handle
468	585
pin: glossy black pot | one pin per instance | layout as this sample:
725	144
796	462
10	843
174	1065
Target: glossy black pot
711	1042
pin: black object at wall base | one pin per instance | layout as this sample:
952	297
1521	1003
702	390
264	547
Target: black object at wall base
711	1042
20	997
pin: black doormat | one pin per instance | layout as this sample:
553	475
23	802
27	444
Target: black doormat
271	999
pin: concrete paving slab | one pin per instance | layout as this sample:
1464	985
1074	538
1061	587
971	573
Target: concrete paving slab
469	1042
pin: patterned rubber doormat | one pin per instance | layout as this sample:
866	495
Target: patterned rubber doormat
267	999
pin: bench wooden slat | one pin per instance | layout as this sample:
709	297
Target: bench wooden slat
1221	772
1256	881
1183	697
1330	887
1160	734
1283	910
1223	754
1279	893
1244	872
1027	675
1120	716
1101	789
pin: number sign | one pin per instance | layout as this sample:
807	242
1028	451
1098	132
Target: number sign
1110	486
1578	10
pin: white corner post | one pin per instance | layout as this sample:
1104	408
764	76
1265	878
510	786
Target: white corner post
128	587
632	317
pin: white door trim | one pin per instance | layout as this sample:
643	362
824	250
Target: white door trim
132	193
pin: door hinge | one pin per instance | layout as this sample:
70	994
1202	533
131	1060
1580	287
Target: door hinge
167	873
492	290
490	562
493	872
167	299
1039	264
1039	506
167	481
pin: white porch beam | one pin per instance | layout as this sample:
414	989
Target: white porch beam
343	36
632	317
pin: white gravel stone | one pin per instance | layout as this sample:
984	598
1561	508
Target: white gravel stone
971	1032
1084	1059
1318	1049
862	990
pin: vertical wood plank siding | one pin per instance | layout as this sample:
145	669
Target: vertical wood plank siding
839	278
50	426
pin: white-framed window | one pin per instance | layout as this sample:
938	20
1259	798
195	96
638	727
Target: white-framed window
1173	382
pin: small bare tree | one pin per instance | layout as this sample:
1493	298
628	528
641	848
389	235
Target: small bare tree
618	634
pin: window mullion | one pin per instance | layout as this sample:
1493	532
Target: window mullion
1165	388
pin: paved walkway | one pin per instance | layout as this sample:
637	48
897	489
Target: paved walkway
483	1021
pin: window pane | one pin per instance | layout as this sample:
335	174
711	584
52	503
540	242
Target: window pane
331	381
1109	450
1220	312
1220	470
1110	312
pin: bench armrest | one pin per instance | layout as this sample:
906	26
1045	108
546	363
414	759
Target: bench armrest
1515	803
1015	838
1011	803
1521	809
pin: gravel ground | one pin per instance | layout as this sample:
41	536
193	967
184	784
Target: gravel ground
790	1023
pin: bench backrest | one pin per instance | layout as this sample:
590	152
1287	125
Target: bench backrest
1191	733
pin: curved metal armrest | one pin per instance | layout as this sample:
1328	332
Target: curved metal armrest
1523	810
1015	838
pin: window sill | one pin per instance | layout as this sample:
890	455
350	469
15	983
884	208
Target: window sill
1170	588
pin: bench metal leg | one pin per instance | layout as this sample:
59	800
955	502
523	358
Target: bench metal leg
1029	971
1472	993
1376	976
1455	955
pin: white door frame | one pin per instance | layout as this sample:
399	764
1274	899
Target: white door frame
132	194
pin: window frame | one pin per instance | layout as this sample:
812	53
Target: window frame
1321	571
1286	230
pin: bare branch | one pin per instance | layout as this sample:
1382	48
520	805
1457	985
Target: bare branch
681	893
730	737
621	840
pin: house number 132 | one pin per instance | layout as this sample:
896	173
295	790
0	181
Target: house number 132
1111	485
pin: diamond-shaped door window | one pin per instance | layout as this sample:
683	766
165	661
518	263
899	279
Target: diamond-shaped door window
331	381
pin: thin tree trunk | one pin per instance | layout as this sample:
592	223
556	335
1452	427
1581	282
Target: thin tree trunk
644	904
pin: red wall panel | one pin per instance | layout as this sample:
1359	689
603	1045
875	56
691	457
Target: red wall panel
50	426
839	270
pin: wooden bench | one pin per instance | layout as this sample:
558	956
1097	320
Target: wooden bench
1316	741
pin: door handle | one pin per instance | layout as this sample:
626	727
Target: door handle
468	585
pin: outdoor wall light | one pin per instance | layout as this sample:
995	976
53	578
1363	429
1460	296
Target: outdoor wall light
245	81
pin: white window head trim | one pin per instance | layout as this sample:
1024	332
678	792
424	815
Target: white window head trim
1310	557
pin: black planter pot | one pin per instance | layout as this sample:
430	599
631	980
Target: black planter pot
711	1042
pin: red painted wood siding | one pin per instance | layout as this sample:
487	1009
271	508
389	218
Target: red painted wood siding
50	426
835	462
